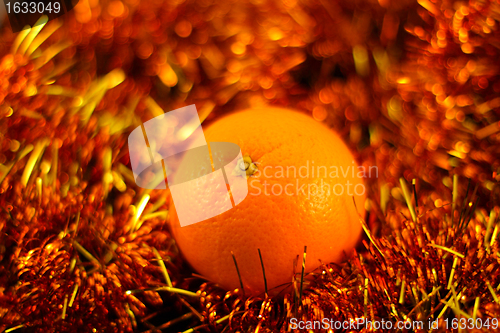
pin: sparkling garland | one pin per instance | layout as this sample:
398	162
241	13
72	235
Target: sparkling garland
411	87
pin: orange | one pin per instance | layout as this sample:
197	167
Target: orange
301	194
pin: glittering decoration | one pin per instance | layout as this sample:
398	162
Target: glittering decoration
71	246
412	88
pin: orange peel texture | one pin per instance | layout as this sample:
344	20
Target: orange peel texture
294	200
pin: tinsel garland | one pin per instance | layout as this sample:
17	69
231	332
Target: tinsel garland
411	87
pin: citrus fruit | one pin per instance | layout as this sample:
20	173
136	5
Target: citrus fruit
301	180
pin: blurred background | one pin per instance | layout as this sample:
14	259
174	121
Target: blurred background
411	86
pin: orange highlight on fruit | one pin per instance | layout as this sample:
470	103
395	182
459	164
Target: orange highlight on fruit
302	179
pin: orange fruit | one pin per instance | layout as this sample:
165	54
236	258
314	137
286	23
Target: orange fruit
300	194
